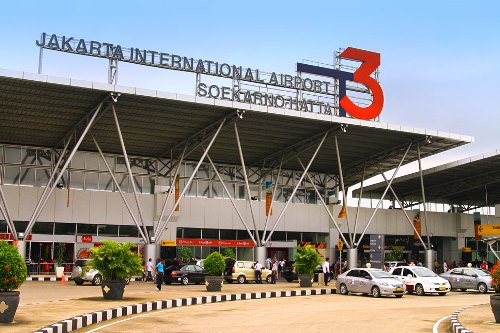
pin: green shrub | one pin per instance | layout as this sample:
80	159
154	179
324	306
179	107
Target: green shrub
13	268
185	254
229	253
306	260
495	277
115	261
214	264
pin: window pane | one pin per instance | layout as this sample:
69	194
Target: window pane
65	228
217	190
279	236
120	164
12	155
3	226
105	182
148	185
111	163
293	236
107	230
42	176
78	161
45	228
227	234
128	231
28	156
191	192
27	177
192	233
203	188
92	161
87	229
76	180
123	182
11	175
210	233
91	181
20	225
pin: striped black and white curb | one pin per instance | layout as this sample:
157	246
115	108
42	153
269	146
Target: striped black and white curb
88	319
455	324
53	278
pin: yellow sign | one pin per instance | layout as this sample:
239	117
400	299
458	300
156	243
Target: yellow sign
489	229
340	244
467	249
168	242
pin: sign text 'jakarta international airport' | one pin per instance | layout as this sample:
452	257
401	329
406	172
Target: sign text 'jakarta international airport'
293	92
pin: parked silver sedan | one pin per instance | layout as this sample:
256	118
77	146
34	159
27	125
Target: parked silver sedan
464	278
369	281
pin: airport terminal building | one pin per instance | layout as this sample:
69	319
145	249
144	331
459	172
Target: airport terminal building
260	162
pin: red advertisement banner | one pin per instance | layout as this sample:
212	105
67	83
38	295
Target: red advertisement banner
214	242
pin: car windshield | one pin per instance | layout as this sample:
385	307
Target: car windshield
482	272
381	274
424	272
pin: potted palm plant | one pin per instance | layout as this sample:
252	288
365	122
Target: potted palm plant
117	263
495	299
306	260
12	275
214	265
59	256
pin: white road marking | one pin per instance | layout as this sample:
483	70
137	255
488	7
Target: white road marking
437	323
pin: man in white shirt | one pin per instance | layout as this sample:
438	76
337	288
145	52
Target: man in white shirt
326	270
149	268
258	272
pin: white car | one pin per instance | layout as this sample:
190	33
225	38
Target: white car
421	280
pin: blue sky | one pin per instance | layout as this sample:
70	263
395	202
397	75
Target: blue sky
440	60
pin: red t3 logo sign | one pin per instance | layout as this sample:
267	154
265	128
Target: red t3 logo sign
369	63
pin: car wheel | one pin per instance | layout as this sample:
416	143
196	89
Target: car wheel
463	289
376	292
287	280
97	280
483	289
398	296
268	279
241	279
185	280
127	280
79	282
419	289
229	281
441	294
343	289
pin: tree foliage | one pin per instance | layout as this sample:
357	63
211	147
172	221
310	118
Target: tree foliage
12	267
185	254
115	261
306	260
214	264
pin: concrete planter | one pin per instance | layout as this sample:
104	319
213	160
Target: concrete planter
214	283
113	289
9	300
59	271
305	280
495	306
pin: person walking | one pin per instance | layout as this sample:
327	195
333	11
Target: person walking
159	274
258	272
149	269
326	270
274	270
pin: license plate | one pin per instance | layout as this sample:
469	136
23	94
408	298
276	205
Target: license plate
399	289
442	288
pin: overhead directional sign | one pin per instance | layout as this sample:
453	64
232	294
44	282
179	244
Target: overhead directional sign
489	229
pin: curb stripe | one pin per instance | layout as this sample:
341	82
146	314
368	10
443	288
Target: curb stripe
84	320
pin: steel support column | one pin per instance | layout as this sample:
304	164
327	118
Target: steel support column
297	186
423	195
404	211
268	217
65	166
129	170
162	224
359	201
383	195
344	195
231	199
325	206
247	185
119	189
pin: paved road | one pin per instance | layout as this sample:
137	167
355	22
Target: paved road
354	313
43	303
